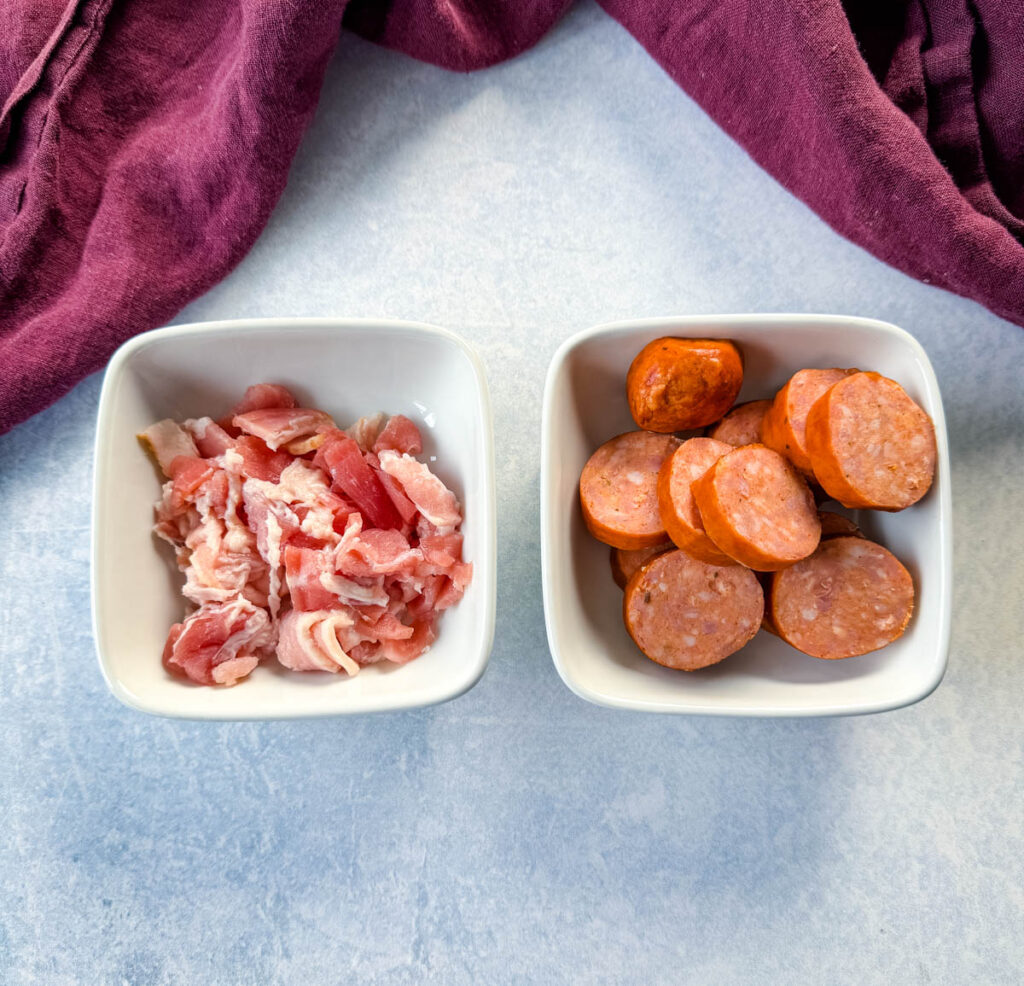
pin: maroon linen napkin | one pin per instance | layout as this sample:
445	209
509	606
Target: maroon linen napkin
143	143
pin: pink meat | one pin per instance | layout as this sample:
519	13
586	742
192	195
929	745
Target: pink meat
303	569
353	477
277	426
220	643
399	435
210	438
376	552
441	550
405	507
188	474
404	651
251	457
433	499
310	642
385	626
261	396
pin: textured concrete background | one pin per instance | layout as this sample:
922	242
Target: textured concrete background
519	835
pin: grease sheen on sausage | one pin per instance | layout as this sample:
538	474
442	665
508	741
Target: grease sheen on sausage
678	384
685	614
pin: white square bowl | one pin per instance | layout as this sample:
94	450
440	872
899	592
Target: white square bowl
585	404
350	368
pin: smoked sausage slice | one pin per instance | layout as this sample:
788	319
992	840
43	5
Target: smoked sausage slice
683	613
619	490
679	511
850	597
758	509
870	444
625	563
742	425
678	384
784	426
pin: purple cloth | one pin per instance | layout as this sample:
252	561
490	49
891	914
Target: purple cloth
143	143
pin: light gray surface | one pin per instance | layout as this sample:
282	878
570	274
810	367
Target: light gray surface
519	834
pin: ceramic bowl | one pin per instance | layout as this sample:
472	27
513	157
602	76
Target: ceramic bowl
349	368
585	404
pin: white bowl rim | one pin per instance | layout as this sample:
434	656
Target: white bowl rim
264	324
945	574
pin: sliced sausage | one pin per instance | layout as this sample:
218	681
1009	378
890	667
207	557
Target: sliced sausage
677	384
785	425
619	490
625	563
758	509
870	444
742	425
836	525
850	597
686	614
679	511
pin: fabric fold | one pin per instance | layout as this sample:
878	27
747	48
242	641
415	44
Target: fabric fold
144	143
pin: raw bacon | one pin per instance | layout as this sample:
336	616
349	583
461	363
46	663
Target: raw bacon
331	549
352	476
399	435
278	426
261	396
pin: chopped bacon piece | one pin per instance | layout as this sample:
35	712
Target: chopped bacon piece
399	435
261	396
433	499
403	651
352	476
188	473
278	426
166	440
442	550
405	507
376	552
253	459
220	643
309	642
210	438
302	570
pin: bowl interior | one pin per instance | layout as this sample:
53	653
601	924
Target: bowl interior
347	369
585	405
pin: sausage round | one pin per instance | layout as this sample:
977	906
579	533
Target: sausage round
870	444
678	384
850	597
625	563
785	424
619	490
758	509
678	508
742	425
686	614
